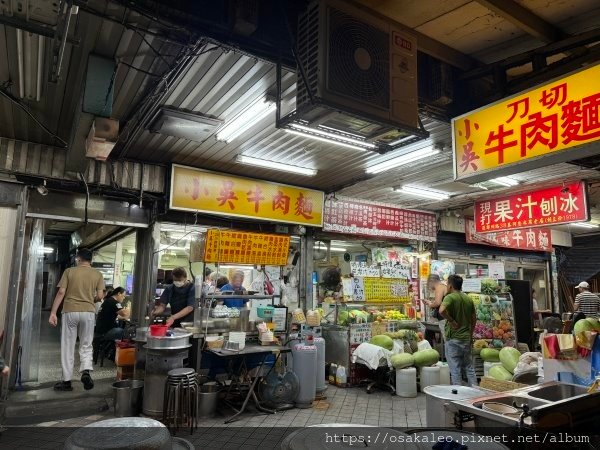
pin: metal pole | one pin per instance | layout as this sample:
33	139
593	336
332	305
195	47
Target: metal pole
14	306
145	271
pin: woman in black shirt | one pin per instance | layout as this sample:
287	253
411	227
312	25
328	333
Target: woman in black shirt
111	309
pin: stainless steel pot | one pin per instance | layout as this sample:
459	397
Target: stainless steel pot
438	396
179	340
567	316
141	333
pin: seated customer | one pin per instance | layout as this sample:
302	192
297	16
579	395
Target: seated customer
235	286
110	311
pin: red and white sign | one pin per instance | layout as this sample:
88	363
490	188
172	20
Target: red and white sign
534	239
342	215
552	206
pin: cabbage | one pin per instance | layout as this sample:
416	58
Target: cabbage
500	373
402	360
490	355
509	357
382	341
426	357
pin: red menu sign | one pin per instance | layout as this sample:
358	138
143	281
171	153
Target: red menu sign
552	206
534	239
351	216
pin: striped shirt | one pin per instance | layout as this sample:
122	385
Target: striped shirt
589	304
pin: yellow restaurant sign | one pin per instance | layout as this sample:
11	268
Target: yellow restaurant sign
201	191
542	123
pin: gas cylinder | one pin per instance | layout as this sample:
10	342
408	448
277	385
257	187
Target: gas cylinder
321	382
305	368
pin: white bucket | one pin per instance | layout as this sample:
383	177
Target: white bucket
430	376
488	365
444	373
406	382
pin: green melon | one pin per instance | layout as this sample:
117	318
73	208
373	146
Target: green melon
402	360
382	341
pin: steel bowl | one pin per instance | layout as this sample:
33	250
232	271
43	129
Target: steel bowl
179	340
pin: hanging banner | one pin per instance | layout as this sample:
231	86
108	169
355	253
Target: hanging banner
552	206
391	269
535	128
352	216
197	190
361	269
442	268
238	247
425	266
533	239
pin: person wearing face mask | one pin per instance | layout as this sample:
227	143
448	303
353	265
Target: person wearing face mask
181	296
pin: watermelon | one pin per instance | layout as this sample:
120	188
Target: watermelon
402	360
490	355
500	373
426	357
585	325
509	357
382	341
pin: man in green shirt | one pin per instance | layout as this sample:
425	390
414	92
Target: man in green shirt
459	311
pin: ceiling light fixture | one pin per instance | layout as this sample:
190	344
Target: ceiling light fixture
585	225
505	181
42	189
422	192
48	250
250	117
403	159
335	138
242	159
332	249
323	139
30	63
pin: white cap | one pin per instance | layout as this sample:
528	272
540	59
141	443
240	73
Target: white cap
583	285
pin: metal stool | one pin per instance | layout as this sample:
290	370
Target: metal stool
180	406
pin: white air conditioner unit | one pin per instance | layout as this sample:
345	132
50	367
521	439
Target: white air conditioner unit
102	138
359	64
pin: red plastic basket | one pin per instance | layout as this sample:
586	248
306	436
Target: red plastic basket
158	330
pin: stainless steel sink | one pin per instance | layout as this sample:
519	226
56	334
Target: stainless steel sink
557	392
510	400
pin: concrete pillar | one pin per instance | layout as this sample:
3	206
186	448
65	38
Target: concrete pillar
145	271
306	269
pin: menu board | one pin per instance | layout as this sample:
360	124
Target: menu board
238	247
361	269
495	320
386	290
353	216
392	270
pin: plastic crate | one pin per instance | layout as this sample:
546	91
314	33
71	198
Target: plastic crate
478	365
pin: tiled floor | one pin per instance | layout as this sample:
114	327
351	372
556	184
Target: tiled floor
351	406
255	430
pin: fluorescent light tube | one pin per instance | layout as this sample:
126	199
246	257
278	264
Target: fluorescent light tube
323	139
422	192
276	165
332	249
505	181
334	136
401	160
250	117
48	250
585	225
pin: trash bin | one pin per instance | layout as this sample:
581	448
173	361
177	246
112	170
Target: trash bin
208	398
128	397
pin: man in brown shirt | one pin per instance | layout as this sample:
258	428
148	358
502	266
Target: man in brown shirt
78	287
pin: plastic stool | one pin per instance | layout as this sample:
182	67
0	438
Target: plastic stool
180	406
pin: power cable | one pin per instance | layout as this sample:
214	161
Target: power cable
9	96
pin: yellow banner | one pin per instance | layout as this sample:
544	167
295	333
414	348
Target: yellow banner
386	290
201	191
239	247
540	122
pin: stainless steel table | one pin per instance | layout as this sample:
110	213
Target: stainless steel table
239	372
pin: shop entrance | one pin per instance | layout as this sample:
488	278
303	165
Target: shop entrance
51	249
